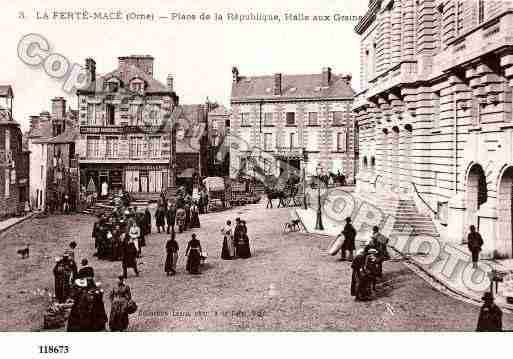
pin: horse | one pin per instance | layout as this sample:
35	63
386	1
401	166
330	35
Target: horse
274	194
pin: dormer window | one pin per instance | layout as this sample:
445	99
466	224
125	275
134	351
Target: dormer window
112	85
137	85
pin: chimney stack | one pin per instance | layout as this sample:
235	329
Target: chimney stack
59	108
90	66
170	83
142	62
277	84
34	122
235	73
326	76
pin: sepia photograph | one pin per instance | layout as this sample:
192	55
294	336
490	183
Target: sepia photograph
262	167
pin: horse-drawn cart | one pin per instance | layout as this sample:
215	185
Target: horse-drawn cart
216	191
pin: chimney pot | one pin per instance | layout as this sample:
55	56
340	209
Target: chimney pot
326	76
59	107
90	66
170	83
235	73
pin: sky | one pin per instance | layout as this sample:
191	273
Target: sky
199	54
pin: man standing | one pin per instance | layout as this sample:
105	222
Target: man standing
170	217
475	242
349	233
490	316
130	252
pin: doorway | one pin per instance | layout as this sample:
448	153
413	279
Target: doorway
476	193
504	240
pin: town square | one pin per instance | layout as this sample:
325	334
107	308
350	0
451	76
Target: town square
354	172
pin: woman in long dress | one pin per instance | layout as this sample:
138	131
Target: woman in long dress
180	219
244	250
134	234
228	250
119	297
195	222
171	255
193	254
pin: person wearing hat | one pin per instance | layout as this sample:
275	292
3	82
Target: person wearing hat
349	233
170	217
64	272
193	253
86	271
119	296
475	243
88	310
237	236
490	316
171	255
129	255
359	286
160	218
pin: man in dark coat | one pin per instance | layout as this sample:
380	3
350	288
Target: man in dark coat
475	243
86	271
129	257
160	215
170	217
147	222
65	272
490	316
237	235
96	234
349	233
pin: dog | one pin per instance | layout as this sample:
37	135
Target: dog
24	252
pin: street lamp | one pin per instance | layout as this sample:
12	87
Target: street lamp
318	224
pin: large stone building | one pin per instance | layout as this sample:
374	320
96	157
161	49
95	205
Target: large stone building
53	163
435	114
292	121
124	142
14	160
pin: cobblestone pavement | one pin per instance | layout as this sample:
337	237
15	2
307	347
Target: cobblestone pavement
288	284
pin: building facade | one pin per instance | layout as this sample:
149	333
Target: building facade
292	122
435	112
125	142
14	160
218	132
53	161
191	144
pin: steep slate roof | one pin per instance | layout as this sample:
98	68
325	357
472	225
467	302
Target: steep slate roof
220	110
6	90
69	135
131	72
293	86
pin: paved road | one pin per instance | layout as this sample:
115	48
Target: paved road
289	283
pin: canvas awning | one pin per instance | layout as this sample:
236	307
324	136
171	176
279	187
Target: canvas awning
187	173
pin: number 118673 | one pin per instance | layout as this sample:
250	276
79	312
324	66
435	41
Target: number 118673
53	349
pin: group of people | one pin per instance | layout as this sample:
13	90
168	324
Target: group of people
194	254
184	213
88	310
80	289
235	240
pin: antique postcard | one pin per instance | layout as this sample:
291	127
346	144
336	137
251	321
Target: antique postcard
296	166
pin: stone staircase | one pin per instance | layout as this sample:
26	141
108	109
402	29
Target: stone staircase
403	210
